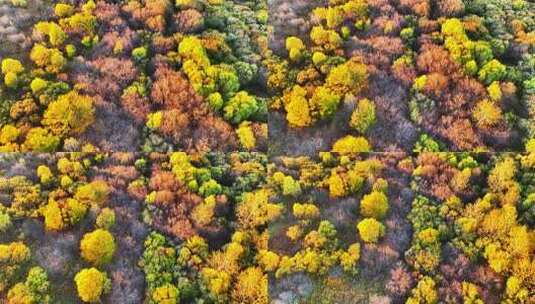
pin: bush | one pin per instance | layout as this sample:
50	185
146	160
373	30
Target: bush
94	193
364	115
98	247
91	284
374	205
350	76
370	230
305	211
63	10
350	145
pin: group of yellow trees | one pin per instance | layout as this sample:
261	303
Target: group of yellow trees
62	197
316	79
66	112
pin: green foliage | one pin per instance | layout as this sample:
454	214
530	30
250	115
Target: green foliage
492	71
240	107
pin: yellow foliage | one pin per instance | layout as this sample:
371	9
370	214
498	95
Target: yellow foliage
218	282
487	114
327	39
349	77
70	114
428	236
246	135
374	205
91	284
166	294
251	287
269	260
351	145
53	216
256	210
424	293
370	230
10	65
63	10
337	187
297	108
9	134
94	193
98	247
305	211
294	232
350	258
51	60
44	174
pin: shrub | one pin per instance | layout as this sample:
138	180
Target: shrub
370	230
98	247
350	258
374	205
5	221
45	175
38	85
9	134
91	284
70	114
350	145
364	115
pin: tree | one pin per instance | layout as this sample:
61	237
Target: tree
40	140
350	145
91	284
374	205
98	247
106	219
166	294
487	114
94	193
324	102
240	107
370	230
492	71
70	114
424	293
305	211
251	287
297	108
364	116
349	77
